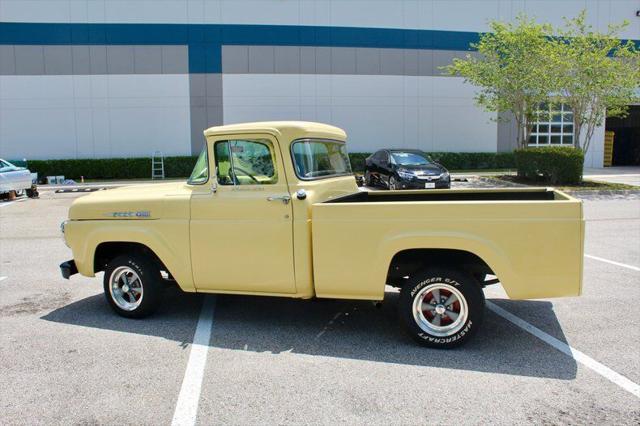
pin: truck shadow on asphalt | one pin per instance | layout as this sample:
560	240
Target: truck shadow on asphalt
338	328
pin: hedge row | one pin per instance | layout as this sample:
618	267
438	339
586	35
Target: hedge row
554	165
176	167
111	168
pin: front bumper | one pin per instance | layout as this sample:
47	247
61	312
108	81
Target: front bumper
420	184
68	268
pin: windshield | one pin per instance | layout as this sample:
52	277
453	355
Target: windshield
409	159
6	166
319	158
200	172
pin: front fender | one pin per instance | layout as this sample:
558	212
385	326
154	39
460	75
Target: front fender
168	239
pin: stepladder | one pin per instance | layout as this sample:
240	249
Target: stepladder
157	165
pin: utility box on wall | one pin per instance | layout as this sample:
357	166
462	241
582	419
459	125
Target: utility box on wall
608	148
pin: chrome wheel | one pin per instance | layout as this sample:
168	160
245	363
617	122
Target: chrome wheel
125	288
367	178
440	309
392	183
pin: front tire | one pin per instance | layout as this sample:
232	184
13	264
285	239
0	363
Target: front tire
441	307
368	179
393	183
132	286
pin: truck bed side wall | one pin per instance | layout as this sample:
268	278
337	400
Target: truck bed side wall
534	247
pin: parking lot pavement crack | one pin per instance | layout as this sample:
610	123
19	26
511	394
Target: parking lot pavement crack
330	323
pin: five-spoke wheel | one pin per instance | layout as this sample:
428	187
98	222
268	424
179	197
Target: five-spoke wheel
133	285
126	288
441	307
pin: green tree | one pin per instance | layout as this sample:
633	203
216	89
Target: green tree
597	75
511	70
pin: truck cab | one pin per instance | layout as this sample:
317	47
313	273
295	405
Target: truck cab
252	192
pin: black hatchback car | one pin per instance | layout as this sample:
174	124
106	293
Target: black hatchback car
404	169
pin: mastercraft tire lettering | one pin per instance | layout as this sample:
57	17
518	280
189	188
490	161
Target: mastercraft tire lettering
441	307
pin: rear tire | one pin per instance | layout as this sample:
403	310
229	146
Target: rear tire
133	285
441	307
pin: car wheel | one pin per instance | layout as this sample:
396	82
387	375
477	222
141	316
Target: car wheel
32	193
368	179
393	183
133	285
441	307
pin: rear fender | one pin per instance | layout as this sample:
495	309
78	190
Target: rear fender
495	258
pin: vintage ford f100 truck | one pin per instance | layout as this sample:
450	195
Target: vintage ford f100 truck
273	209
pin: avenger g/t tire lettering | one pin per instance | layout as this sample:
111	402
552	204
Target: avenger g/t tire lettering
441	307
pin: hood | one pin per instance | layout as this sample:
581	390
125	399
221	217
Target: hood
429	169
135	202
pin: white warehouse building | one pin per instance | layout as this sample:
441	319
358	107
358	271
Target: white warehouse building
113	78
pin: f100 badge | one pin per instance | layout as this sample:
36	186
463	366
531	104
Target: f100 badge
141	214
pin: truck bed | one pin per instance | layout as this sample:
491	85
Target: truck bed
515	194
532	239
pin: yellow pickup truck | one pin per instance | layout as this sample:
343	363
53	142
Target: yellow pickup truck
273	209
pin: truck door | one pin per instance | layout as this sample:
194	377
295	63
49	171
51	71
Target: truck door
241	230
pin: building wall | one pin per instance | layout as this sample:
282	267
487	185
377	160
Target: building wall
103	78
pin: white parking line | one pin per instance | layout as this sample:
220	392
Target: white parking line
3	278
187	405
624	265
8	203
580	357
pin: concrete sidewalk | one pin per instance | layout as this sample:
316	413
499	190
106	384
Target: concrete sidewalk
629	175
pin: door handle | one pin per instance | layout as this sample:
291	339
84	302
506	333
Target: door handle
284	198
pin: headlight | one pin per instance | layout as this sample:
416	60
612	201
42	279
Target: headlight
444	176
405	174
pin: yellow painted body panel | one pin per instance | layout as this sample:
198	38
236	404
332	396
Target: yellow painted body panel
230	239
241	242
534	247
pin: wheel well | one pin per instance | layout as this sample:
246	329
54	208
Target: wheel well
107	251
407	262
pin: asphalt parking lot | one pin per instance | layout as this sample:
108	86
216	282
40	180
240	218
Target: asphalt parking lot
66	358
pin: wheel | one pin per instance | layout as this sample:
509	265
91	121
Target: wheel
33	192
393	183
368	179
133	285
441	307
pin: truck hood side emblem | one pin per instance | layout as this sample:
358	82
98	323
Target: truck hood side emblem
140	213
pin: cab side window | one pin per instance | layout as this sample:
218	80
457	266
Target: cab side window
245	162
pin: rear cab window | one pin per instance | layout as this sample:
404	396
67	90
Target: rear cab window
320	158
